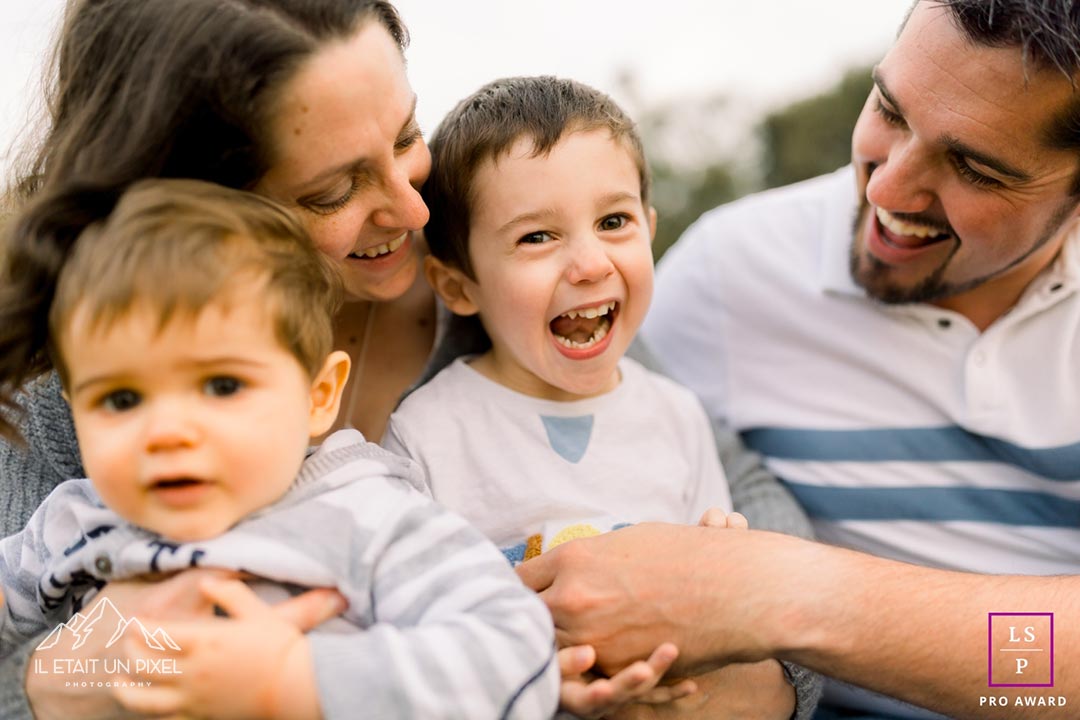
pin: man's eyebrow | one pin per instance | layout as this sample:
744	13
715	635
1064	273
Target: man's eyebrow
996	164
954	144
879	82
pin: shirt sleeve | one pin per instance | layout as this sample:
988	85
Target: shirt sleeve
456	634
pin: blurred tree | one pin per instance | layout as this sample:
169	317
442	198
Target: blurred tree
706	151
813	136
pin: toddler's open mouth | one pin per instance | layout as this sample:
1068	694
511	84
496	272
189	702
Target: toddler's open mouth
582	328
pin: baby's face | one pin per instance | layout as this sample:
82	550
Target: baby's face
561	247
186	429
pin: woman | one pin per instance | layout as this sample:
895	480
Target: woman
305	101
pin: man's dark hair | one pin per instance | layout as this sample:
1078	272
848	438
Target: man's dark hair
1047	33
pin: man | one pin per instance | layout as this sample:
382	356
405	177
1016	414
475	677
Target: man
914	378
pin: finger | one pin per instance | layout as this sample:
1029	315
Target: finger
156	701
713	517
587	700
538	574
737	521
575	660
668	693
235	598
312	608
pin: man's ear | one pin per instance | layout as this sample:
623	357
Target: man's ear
451	284
326	391
652	223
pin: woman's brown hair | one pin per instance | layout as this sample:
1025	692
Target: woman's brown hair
144	89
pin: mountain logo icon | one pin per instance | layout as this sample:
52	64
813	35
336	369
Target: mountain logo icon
106	619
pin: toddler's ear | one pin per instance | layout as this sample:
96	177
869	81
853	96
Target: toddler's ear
451	284
326	391
652	223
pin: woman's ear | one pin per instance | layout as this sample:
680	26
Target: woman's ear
451	284
326	391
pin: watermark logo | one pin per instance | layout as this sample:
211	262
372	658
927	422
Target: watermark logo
105	620
1021	649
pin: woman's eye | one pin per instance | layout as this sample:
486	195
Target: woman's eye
332	204
121	400
222	386
535	238
613	222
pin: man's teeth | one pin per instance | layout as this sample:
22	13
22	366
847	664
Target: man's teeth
592	312
903	228
598	334
383	249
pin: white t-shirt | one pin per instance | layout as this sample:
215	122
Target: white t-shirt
532	473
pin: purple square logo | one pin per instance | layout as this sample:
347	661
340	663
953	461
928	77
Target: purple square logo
1021	649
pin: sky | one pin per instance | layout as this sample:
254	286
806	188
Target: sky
759	55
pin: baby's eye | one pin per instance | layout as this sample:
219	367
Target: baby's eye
613	222
121	400
222	386
535	238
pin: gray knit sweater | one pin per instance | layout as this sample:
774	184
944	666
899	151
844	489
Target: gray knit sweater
51	455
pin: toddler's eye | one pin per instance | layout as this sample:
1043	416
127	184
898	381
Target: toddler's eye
121	400
222	386
535	238
613	222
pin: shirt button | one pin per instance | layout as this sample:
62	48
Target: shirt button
979	358
103	564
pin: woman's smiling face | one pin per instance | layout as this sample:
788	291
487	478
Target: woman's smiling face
348	156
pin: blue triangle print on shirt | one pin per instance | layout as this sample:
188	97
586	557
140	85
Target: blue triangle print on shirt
569	436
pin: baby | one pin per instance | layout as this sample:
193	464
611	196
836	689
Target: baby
192	332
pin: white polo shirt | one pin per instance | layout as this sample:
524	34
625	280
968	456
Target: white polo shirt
902	429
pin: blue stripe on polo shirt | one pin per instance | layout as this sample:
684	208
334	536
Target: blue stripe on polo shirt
934	444
1006	507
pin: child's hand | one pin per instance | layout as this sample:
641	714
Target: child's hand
588	696
757	691
715	517
253	664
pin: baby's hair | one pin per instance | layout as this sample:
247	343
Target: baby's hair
176	246
486	124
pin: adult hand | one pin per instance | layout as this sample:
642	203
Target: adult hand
175	598
628	591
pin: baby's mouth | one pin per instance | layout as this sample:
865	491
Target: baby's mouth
176	483
582	328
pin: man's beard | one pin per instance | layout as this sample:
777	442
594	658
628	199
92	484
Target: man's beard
872	275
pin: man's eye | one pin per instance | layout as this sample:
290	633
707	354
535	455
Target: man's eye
121	400
223	386
892	118
613	222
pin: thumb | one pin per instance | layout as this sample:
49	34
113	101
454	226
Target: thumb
539	573
312	608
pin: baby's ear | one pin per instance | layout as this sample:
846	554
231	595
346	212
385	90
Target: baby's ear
326	391
451	284
652	223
